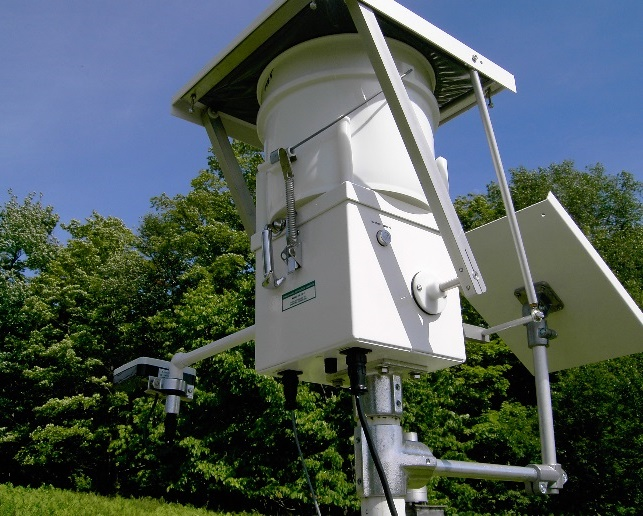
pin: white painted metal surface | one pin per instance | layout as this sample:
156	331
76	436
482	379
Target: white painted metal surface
600	320
289	22
420	153
353	291
308	86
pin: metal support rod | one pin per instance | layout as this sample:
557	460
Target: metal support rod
505	326
545	411
231	170
418	148
181	360
448	285
541	366
461	469
342	116
504	189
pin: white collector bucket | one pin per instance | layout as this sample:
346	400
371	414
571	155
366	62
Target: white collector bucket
312	84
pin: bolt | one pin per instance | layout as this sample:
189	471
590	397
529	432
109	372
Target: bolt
398	403
474	58
359	481
383	237
419	287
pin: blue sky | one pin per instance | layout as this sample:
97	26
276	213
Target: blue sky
85	92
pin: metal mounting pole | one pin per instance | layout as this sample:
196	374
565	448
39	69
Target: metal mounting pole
409	465
538	336
541	365
545	411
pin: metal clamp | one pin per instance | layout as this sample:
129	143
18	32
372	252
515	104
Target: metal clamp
170	387
551	479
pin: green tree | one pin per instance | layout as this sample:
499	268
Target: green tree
27	246
596	408
79	313
26	236
72	313
234	445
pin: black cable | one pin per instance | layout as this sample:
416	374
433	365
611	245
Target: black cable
290	379
151	417
375	455
303	463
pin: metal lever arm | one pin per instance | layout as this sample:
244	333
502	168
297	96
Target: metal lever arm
269	279
418	148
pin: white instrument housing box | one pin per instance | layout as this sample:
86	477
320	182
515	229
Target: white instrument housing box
352	291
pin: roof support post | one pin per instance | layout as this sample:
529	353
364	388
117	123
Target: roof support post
422	157
231	170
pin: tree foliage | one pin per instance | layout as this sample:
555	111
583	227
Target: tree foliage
595	407
235	446
70	313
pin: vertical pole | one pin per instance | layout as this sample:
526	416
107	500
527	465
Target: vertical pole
543	399
377	506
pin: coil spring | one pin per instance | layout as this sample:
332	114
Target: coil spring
290	209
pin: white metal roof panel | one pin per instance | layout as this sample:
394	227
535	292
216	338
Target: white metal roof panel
228	83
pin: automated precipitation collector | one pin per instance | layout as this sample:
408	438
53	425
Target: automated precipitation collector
359	251
363	226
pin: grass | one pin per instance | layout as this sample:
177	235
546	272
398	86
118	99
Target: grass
48	501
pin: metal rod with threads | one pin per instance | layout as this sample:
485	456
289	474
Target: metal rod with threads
448	285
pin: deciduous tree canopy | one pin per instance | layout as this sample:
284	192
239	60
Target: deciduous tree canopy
72	312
